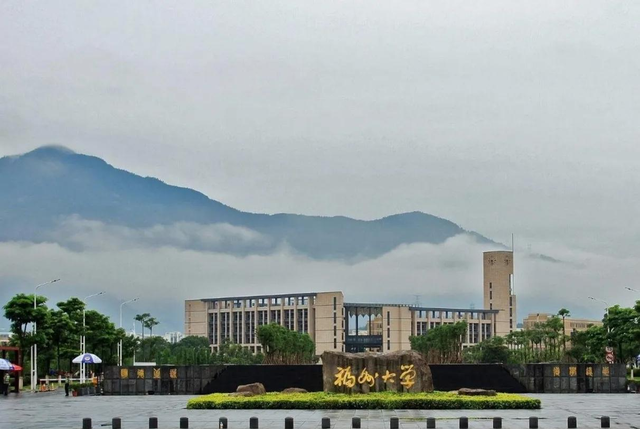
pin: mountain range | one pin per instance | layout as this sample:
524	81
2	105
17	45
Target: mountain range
53	194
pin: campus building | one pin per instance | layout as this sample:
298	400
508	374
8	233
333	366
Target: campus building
332	323
498	290
570	324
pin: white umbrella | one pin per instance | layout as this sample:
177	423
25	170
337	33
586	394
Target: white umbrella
87	358
5	365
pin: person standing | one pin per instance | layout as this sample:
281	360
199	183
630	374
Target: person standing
5	383
66	385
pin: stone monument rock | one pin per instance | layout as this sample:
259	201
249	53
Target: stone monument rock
402	371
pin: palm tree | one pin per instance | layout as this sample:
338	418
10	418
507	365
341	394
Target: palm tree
142	318
150	323
563	312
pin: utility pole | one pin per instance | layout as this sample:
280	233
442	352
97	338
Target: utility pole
34	348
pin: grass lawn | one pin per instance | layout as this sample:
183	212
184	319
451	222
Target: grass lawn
380	400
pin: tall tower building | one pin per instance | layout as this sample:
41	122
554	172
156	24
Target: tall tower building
498	290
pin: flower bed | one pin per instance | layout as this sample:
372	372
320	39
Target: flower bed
381	400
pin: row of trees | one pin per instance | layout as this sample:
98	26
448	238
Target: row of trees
59	331
441	344
146	321
548	341
282	346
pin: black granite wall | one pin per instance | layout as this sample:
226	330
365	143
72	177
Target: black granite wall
182	380
533	378
571	378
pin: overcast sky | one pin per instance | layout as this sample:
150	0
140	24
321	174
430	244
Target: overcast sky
501	116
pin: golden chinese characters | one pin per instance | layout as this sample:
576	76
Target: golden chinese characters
573	371
389	377
173	373
345	378
124	373
556	371
605	371
140	373
366	378
589	371
408	376
156	373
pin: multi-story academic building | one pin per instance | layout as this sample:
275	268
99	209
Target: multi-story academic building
334	324
331	323
570	324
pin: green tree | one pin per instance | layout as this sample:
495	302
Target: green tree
623	331
491	350
283	346
142	318
564	313
149	323
441	344
62	333
20	312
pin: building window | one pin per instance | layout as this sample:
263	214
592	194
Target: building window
335	331
490	294
388	344
335	303
490	306
388	332
289	323
510	312
490	285
511	301
335	318
388	318
335	343
303	320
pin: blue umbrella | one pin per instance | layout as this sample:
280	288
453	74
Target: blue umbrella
5	365
87	358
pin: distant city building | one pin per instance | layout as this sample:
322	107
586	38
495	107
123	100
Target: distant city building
173	337
331	323
4	338
570	324
498	290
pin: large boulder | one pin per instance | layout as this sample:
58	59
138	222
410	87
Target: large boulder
294	390
401	371
476	392
253	388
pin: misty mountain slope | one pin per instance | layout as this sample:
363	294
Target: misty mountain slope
41	189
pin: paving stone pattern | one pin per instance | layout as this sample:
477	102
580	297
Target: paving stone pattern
54	410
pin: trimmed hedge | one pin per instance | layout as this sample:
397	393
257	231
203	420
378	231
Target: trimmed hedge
380	400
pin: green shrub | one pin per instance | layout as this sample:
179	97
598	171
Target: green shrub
380	400
78	386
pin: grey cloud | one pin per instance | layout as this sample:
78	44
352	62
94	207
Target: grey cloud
449	274
82	234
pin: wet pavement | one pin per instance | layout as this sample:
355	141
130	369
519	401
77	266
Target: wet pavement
54	410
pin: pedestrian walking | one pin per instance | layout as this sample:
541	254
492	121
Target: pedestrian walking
5	383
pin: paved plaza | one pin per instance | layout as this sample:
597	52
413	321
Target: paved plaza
54	410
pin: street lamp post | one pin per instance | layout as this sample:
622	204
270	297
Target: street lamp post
120	351
34	347
606	309
83	338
